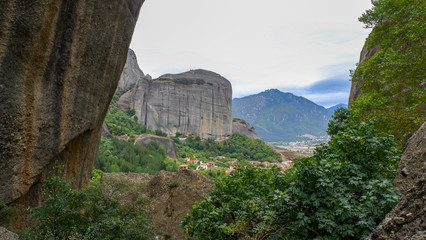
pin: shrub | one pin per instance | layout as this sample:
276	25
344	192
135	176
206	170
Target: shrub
341	192
85	214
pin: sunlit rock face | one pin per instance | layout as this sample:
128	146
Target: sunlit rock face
60	62
131	72
194	103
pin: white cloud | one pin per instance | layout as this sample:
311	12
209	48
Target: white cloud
255	44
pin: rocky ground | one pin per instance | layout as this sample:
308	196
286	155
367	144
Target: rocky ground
170	196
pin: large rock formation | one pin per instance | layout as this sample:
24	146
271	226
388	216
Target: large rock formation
239	125
60	62
131	72
194	103
408	219
144	139
356	86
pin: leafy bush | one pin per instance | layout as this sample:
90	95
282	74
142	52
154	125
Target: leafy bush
341	192
85	214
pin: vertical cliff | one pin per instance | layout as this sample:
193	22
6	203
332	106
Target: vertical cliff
194	103
60	62
131	72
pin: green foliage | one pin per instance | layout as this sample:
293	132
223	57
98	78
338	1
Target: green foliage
116	155
174	184
239	146
85	214
96	176
392	81
7	213
342	192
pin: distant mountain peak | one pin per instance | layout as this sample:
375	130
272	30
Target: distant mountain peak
279	116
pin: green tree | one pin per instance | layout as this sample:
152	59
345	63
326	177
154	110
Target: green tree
342	192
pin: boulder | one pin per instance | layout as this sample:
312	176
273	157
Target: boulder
170	146
60	62
239	125
7	235
194	103
408	219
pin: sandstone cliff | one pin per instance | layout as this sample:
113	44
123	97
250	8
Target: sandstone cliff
241	126
194	103
408	219
60	62
144	139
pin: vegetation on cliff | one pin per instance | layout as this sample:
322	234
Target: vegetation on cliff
393	79
341	192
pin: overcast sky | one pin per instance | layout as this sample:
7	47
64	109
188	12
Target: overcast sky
305	47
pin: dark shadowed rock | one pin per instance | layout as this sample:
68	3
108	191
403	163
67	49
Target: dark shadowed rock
239	125
194	103
60	62
408	219
356	85
170	146
131	72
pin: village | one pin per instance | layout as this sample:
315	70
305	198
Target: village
230	164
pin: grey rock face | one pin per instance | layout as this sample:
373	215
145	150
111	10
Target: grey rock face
7	235
105	130
408	219
170	146
60	62
356	86
131	72
413	162
241	126
194	103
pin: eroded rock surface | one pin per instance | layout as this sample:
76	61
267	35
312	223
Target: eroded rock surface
239	125
194	103
7	235
170	195
144	139
408	219
60	62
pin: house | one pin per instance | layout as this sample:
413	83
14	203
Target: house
229	170
203	166
183	166
194	161
187	159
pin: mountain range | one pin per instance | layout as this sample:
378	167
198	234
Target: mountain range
279	116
